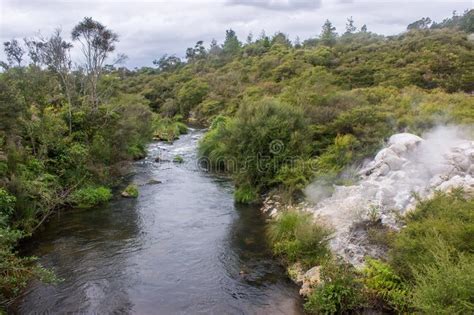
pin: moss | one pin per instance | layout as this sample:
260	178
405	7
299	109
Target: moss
131	191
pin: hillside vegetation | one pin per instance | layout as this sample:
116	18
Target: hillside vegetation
281	113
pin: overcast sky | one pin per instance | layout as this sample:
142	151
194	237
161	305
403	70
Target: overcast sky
151	28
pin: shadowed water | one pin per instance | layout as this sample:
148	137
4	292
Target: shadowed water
181	247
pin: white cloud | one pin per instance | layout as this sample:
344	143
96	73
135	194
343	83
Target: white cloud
151	28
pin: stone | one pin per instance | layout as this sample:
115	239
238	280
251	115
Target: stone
410	141
295	272
311	279
313	276
154	182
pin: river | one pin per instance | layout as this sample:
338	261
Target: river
182	247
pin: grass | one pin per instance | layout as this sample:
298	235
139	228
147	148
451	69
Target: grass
295	237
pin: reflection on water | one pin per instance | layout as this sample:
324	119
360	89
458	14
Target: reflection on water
182	247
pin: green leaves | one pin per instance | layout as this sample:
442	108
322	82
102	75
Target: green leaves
89	197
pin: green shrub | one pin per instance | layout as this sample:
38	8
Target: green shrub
339	292
168	129
245	194
295	237
448	217
130	191
384	287
7	204
444	286
213	147
136	151
88	197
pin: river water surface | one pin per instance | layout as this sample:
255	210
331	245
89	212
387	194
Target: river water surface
181	247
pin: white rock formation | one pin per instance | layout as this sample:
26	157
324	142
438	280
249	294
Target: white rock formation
408	165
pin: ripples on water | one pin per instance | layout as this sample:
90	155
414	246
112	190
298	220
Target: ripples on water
182	247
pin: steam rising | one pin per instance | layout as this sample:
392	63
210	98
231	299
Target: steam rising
441	160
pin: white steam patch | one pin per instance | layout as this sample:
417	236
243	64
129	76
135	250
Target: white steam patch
441	160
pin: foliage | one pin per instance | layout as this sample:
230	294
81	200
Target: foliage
444	285
445	217
339	291
245	194
89	197
295	237
168	129
382	284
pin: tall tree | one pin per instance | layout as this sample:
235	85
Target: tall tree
198	52
328	34
34	50
249	38
421	24
214	48
232	44
97	43
350	27
167	63
55	53
281	38
14	52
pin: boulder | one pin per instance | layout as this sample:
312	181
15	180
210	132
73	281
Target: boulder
311	279
410	141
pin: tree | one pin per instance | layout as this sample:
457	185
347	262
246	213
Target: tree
249	38
196	53
232	44
421	24
168	63
97	43
214	48
14	52
363	29
55	53
328	34
298	42
281	38
350	28
34	50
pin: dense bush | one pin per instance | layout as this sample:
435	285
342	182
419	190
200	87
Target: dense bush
339	292
261	140
445	217
168	129
384	287
444	285
294	236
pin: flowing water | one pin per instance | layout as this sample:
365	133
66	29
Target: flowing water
181	247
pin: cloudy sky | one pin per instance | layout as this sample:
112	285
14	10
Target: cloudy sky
151	28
